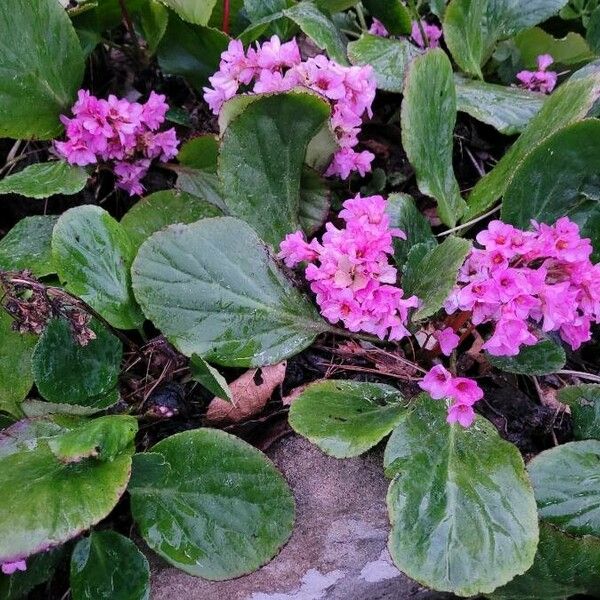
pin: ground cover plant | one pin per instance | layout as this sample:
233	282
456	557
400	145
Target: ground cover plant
368	223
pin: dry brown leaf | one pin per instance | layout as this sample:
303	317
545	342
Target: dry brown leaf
287	400
250	393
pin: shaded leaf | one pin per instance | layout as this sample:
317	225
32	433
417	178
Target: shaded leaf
43	180
210	378
545	357
392	13
210	504
584	401
200	152
570	50
314	201
194	11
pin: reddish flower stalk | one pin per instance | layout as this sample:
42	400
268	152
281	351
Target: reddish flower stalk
226	11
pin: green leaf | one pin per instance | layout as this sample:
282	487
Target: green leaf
260	10
405	215
103	438
593	31
211	504
154	20
42	408
542	359
56	500
507	109
346	418
108	566
473	27
314	201
570	103
261	159
570	50
41	67
392	13
591	229
40	568
320	29
213	289
461	506
333	6
15	365
200	153
567	488
92	254
550	182
191	51
584	401
210	378
563	566
193	11
432	277
201	184
158	210
27	246
428	118
389	58
43	180
67	373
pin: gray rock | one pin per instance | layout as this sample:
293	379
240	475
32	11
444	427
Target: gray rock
338	548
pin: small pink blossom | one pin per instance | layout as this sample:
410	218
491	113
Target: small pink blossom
8	568
437	382
541	80
447	339
465	391
295	249
378	28
463	414
432	32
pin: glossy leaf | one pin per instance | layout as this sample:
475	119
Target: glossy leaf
68	373
570	103
109	566
507	109
213	289
314	201
200	153
15	365
567	486
570	50
43	180
584	401
210	504
27	246
550	182
194	11
158	210
431	277
201	184
472	27
209	378
564	566
392	13
461	505
191	51
406	216
428	118
57	500
320	29
346	418
261	160
542	359
389	58
41	66
92	254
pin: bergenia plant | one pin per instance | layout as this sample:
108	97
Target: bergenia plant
373	225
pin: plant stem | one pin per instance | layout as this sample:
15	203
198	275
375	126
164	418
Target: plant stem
581	374
469	223
361	17
129	23
226	11
415	12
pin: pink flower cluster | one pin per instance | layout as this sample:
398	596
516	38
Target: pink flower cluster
8	568
349	271
540	80
432	32
277	67
523	281
122	132
464	392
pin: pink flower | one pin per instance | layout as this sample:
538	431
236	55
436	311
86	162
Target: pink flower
294	249
447	339
154	111
508	337
465	391
541	80
437	382
462	414
273	54
129	176
346	160
378	28
432	32
8	568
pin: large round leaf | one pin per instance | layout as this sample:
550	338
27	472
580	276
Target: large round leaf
156	211
566	480
584	401
27	246
54	473
15	365
551	182
346	418
213	289
43	180
564	566
92	254
260	163
41	67
108	566
461	506
68	373
210	504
